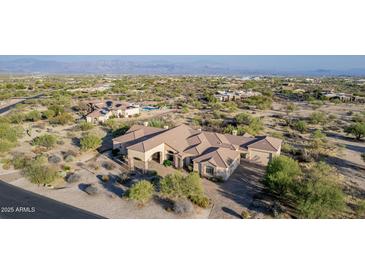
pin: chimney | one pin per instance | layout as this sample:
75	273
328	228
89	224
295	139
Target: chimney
166	127
234	132
145	124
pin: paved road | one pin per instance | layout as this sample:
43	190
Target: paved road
7	108
17	203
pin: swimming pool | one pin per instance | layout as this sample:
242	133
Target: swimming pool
149	108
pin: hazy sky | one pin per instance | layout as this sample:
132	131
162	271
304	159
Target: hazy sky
278	62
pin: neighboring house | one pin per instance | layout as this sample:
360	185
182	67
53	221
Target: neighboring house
344	97
210	154
98	116
102	111
225	96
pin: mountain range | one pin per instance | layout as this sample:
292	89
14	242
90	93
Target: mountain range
156	67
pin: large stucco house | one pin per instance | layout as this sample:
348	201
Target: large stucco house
210	154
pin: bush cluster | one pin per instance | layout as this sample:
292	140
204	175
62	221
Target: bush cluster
90	142
45	140
179	186
141	192
315	192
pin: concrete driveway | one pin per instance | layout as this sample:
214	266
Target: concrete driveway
242	190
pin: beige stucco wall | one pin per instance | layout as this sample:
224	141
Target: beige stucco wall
260	156
131	112
218	171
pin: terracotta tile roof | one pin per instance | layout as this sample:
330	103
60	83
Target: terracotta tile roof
219	157
190	142
135	136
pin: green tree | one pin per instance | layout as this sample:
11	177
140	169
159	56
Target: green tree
282	174
179	186
249	124
141	191
320	193
356	129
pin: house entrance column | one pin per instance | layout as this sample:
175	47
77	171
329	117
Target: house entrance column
145	166
131	163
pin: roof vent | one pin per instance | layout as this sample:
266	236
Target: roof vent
145	124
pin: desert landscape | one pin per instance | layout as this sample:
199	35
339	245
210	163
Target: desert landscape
49	147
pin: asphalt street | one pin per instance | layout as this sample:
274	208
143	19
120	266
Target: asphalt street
17	203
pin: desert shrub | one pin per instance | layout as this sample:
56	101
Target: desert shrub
360	209
91	189
317	134
62	119
48	114
200	200
245	214
45	140
33	116
6	145
105	178
90	142
300	126
261	102
182	206
141	191
17	118
314	192
69	153
287	148
66	168
157	122
167	163
73	178
113	124
318	117
179	186
54	159
122	129
9	135
282	174
84	126
57	109
20	161
40	174
319	195
356	129
248	123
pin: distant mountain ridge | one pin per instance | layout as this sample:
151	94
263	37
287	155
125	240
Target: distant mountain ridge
36	66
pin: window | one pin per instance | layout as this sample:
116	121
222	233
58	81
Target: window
209	170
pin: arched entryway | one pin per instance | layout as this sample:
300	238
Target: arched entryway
156	157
